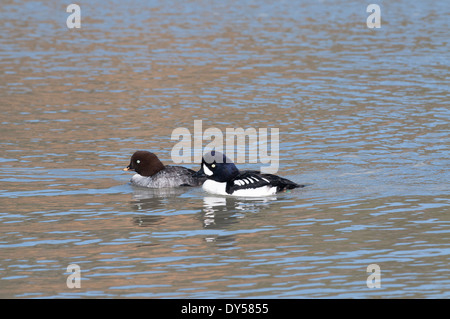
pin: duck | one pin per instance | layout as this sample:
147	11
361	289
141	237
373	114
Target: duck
152	173
224	178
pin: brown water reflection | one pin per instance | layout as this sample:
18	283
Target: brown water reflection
363	119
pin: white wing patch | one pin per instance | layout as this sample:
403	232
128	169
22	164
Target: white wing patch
245	181
248	180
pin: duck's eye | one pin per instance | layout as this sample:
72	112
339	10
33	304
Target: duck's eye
213	165
138	161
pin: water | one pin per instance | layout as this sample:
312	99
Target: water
363	118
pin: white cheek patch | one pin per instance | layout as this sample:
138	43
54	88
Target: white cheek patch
206	170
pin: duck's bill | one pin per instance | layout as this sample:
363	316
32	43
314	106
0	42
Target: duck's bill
127	169
200	173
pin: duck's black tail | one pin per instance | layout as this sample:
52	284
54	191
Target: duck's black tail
281	183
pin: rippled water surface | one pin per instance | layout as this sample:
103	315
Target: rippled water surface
363	116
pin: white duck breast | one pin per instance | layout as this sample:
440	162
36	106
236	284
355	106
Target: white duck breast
251	186
214	187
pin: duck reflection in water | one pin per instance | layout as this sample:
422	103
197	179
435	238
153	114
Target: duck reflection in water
150	200
220	212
